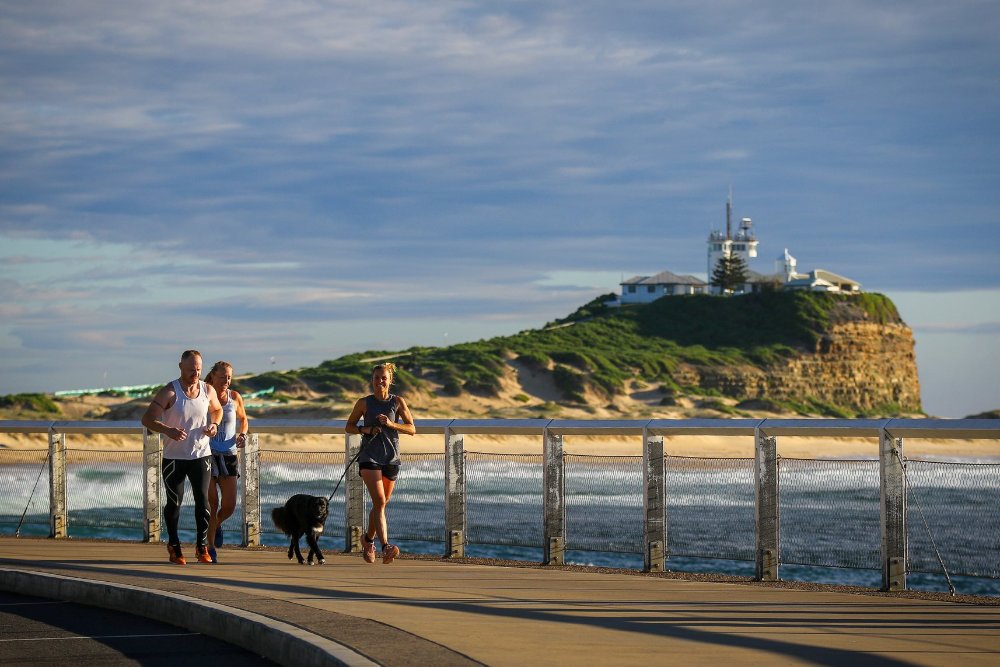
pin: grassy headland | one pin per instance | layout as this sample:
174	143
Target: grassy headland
598	353
632	361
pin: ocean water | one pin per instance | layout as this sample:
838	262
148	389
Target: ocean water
829	513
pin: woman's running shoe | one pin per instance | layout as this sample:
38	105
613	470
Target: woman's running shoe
389	553
203	555
368	549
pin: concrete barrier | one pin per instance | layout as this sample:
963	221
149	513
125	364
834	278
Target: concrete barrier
276	640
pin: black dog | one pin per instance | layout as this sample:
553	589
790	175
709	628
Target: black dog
302	515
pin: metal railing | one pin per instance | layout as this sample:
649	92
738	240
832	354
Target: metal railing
656	505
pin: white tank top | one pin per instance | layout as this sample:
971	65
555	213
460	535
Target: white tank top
190	414
224	441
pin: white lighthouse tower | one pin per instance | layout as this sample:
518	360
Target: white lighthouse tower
785	265
742	244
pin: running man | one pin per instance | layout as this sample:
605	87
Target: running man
187	413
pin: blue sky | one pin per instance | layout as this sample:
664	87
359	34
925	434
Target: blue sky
301	180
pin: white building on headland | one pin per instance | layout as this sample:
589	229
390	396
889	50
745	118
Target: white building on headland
742	244
643	289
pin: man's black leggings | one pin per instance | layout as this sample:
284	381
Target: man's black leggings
175	471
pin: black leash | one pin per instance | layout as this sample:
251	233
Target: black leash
348	467
17	532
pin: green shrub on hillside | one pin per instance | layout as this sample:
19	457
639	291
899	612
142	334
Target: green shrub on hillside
280	381
575	359
534	359
30	403
571	383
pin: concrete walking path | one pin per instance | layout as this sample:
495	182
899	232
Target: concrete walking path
434	612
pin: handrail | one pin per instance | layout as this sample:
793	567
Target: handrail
964	429
953	429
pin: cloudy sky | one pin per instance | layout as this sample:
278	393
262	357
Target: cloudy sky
279	183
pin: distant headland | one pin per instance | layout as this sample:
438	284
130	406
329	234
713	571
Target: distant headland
781	353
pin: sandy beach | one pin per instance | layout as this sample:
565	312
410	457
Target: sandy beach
97	407
16	447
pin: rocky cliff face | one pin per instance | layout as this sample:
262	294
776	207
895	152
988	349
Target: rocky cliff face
861	365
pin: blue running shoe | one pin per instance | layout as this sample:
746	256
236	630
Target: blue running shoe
211	552
218	536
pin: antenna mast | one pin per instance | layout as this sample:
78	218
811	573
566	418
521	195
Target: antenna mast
729	215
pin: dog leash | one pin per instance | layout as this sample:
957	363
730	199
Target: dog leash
342	475
17	532
348	467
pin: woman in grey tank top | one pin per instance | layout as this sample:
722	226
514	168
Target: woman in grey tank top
385	417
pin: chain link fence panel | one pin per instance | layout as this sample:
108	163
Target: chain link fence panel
710	507
104	493
829	512
24	491
285	473
416	510
604	509
960	503
504	499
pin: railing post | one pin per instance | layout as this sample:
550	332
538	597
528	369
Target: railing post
654	502
454	497
58	524
354	496
554	498
892	512
250	488
151	472
768	519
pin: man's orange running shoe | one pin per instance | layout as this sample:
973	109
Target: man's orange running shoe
174	551
203	555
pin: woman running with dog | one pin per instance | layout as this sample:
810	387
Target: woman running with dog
385	417
232	435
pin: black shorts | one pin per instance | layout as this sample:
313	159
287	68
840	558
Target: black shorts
225	465
390	472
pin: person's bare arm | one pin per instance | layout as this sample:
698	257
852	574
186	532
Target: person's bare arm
356	414
214	412
164	398
243	424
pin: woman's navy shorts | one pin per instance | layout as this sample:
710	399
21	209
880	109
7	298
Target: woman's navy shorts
225	465
388	471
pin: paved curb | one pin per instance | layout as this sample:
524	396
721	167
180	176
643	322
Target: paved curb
276	640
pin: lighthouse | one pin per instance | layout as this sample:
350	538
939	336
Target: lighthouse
741	244
784	266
